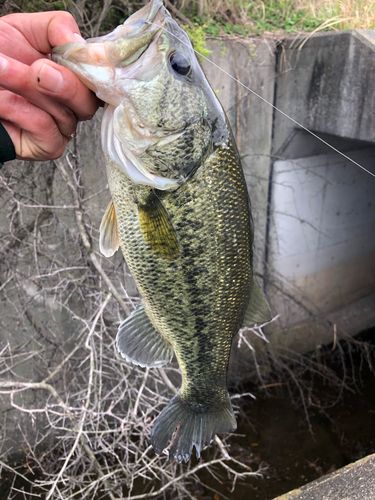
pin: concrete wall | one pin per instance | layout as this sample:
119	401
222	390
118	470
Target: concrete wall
321	238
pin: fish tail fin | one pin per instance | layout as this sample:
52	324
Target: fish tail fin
182	426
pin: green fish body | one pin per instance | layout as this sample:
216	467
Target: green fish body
180	213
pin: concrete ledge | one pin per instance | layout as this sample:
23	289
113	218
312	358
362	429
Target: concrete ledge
356	481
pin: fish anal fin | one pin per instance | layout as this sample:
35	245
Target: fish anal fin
258	310
109	240
157	229
140	344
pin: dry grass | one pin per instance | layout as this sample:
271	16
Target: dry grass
227	9
347	14
339	14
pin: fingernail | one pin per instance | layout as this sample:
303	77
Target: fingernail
3	64
73	37
77	37
50	79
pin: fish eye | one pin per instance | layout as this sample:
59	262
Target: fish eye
179	63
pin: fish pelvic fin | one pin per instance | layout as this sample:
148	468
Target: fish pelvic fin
109	240
140	344
181	426
157	228
258	309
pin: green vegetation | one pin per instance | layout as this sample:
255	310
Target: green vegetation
197	35
285	15
282	15
258	17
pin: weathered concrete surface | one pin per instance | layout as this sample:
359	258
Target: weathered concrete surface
356	481
321	259
324	83
319	265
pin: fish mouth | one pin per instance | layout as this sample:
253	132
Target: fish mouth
112	66
97	61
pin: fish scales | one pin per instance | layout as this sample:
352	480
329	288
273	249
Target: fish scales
194	300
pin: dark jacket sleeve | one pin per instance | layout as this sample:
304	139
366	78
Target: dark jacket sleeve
7	151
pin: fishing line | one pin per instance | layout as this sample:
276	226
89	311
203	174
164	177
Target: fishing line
290	118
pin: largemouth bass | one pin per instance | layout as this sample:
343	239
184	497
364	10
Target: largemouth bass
180	213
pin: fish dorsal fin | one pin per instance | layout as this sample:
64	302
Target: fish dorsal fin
140	344
258	311
157	228
109	240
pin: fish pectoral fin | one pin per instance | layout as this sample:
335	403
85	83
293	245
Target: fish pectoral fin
258	309
140	344
109	240
157	228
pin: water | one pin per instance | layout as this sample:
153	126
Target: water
275	433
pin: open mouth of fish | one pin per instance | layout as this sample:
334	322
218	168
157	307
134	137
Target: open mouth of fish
97	60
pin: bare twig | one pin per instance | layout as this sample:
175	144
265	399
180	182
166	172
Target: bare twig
92	412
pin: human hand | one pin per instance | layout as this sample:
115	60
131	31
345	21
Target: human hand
40	101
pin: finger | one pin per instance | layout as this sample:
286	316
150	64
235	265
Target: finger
17	77
13	44
56	81
45	30
33	131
